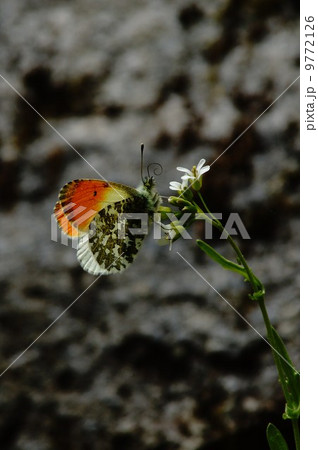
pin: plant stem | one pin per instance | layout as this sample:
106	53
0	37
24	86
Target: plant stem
244	263
265	316
234	246
257	286
296	433
204	204
268	325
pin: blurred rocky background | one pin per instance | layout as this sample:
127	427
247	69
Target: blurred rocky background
152	359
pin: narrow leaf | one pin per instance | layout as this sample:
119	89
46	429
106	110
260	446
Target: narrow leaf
289	378
225	263
275	438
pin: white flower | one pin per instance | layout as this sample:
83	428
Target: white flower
176	186
196	173
193	176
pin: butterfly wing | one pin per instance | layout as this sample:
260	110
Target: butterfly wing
90	210
66	226
80	201
105	250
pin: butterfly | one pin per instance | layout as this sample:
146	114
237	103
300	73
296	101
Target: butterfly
91	211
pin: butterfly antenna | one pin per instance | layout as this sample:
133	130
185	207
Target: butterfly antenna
156	169
142	162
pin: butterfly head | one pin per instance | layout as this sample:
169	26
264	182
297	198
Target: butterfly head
148	190
149	183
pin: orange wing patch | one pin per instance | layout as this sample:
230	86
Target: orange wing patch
80	200
64	223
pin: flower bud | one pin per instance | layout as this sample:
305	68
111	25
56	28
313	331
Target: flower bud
196	186
179	201
187	194
189	208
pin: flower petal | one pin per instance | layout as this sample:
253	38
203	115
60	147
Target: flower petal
175	186
204	170
184	183
183	169
200	164
187	177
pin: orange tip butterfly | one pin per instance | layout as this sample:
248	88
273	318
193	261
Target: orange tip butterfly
90	210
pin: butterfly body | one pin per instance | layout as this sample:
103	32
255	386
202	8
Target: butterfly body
91	211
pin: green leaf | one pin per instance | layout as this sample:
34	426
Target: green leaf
275	439
225	263
289	377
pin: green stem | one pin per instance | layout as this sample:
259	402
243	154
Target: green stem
257	286
235	247
214	221
204	204
253	280
244	263
296	433
265	317
279	366
269	330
